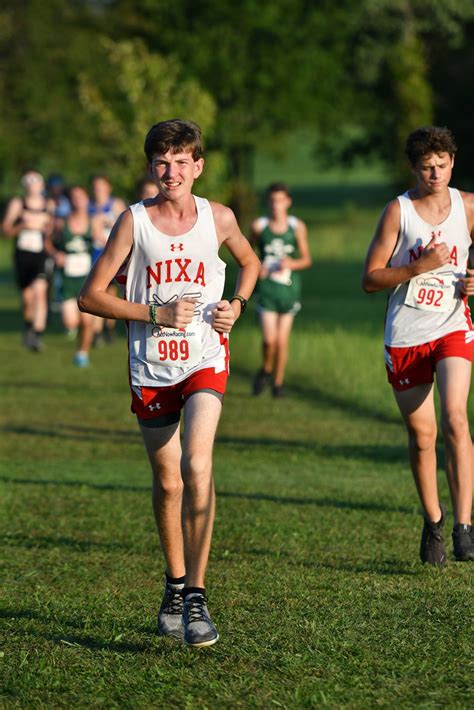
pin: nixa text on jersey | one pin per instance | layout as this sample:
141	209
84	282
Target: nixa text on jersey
175	270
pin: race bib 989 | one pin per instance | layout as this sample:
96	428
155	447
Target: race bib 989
174	347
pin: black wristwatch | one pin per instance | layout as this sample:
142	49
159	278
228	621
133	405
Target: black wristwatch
241	300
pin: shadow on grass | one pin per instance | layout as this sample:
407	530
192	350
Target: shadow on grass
76	640
62	386
40	542
389	566
316	395
74	432
77	484
370	506
18	614
385	453
377	567
94	644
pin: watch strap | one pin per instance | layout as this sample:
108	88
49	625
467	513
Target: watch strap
241	300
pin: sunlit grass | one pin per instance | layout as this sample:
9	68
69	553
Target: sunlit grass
314	579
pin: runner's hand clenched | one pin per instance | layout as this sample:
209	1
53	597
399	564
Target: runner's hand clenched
223	317
178	314
434	255
467	283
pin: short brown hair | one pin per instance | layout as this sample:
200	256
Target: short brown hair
174	135
278	187
427	140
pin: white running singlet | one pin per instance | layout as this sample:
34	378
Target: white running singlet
430	305
161	270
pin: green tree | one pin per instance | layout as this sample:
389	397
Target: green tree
147	88
358	74
76	102
399	45
43	45
271	67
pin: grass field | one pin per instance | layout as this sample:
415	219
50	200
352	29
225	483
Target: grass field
314	579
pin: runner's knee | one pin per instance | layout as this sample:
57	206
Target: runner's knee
423	438
454	422
169	486
196	469
282	341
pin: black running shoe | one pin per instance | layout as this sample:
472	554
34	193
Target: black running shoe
32	341
262	381
170	615
199	630
463	542
278	391
432	550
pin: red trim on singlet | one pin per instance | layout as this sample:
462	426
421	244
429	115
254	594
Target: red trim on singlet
225	343
467	313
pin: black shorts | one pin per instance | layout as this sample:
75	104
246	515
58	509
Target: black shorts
30	266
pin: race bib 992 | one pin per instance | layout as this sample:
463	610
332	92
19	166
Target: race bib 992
432	291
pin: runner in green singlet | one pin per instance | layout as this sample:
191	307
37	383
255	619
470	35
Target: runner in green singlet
282	244
73	240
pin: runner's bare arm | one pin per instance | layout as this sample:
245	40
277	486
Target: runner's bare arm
51	206
255	232
377	275
12	224
228	233
49	226
97	229
52	238
467	283
94	298
304	261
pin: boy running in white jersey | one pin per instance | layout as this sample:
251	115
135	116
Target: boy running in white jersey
420	252
166	249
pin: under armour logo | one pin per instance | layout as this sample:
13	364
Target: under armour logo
404	382
178	247
154	407
435	234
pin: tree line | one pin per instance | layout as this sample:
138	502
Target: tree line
82	80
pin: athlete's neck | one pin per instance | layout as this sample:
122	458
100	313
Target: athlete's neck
173	217
180	209
279	223
432	207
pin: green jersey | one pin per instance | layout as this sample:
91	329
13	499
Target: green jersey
280	291
77	264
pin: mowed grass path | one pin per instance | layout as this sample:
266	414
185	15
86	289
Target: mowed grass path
314	579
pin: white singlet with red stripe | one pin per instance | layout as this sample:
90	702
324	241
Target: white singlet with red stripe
412	317
161	270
